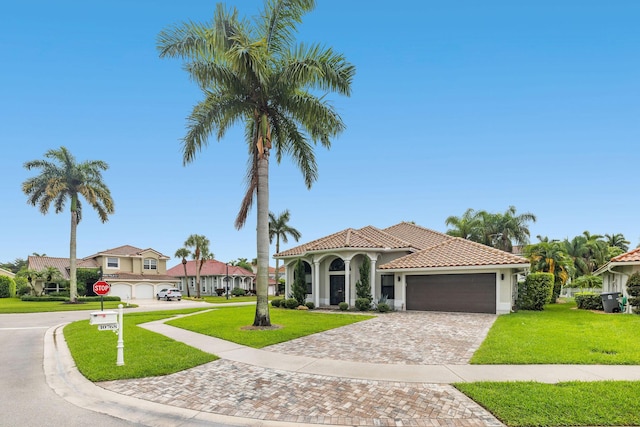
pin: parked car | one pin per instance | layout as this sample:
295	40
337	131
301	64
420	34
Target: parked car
168	293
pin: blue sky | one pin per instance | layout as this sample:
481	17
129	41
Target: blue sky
455	105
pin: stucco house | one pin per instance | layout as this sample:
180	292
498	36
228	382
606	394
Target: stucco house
133	273
213	275
616	272
7	273
415	267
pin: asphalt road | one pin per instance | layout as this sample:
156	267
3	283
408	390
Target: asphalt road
26	400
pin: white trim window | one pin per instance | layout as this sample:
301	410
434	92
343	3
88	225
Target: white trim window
113	262
150	264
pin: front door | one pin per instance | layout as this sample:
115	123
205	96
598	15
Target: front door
336	289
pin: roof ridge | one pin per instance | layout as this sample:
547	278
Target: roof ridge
391	236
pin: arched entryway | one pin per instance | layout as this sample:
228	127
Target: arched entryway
336	282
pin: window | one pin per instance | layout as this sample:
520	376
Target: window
336	265
388	287
113	263
150	264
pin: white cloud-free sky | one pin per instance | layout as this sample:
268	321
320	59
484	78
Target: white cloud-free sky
455	105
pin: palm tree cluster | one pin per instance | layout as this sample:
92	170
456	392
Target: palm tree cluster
253	72
200	254
498	230
576	257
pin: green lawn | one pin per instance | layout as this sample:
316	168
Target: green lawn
224	300
146	353
606	403
228	324
16	305
561	334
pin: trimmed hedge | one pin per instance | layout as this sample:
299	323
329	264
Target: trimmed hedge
276	302
589	301
291	303
7	287
383	307
535	291
310	305
65	299
343	306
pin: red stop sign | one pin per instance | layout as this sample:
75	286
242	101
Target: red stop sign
101	287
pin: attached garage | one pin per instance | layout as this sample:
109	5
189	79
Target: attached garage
144	292
121	290
471	293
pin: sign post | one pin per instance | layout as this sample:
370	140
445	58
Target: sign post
120	346
101	288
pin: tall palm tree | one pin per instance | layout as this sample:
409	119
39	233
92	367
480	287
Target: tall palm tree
252	72
184	253
617	240
62	179
468	226
596	251
577	250
200	245
280	229
549	257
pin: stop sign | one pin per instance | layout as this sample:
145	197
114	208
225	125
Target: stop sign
101	287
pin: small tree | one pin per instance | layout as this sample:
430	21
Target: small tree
7	287
299	288
363	286
633	289
535	291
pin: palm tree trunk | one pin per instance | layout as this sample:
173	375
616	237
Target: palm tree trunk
277	264
262	279
186	279
198	279
73	283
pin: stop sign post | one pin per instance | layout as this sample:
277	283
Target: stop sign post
101	288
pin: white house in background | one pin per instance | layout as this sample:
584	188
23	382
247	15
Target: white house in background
133	273
416	268
616	272
213	275
7	273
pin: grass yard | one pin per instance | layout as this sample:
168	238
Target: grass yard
605	403
561	334
228	324
16	305
145	353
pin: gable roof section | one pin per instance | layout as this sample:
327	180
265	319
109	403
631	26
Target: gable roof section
211	267
126	250
455	252
418	237
368	237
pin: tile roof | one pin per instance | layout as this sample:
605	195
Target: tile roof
455	252
631	256
419	237
39	263
111	277
368	237
211	267
125	250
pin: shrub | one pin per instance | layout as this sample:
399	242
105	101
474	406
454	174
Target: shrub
343	306
310	305
589	301
276	302
383	307
633	289
238	292
23	290
291	303
363	304
363	287
43	298
7	287
535	291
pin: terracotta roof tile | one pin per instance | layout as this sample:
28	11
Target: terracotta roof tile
419	237
138	277
211	267
39	263
631	256
125	250
455	252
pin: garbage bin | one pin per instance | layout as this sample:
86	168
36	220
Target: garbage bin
610	302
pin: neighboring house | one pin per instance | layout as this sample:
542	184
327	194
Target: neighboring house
133	273
7	273
213	275
416	268
616	272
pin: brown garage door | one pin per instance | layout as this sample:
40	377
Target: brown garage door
471	293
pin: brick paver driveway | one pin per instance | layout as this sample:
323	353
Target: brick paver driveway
237	389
